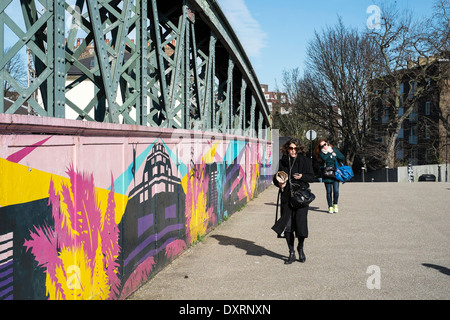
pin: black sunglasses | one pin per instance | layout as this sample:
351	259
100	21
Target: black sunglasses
290	148
323	145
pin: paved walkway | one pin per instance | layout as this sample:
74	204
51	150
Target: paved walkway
394	236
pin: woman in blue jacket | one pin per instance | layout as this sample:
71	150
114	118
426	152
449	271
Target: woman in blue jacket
328	154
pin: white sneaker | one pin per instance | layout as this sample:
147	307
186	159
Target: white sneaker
331	210
336	210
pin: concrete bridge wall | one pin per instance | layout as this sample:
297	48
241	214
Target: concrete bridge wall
92	210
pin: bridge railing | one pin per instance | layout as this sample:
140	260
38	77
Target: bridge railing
158	63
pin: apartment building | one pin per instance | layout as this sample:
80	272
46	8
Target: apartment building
423	137
276	100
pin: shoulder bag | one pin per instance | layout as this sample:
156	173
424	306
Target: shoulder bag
343	173
301	194
329	173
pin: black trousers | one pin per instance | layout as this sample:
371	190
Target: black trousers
298	222
297	226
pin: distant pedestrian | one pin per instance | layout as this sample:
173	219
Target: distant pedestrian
295	221
328	155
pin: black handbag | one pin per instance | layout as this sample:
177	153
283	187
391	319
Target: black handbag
301	195
329	172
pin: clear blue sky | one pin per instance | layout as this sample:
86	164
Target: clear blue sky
275	33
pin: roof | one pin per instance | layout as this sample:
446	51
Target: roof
8	103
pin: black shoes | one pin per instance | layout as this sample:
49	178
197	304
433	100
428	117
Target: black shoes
291	258
301	255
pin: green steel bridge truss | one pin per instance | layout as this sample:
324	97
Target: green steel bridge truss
158	63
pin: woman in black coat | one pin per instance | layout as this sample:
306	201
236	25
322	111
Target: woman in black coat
294	222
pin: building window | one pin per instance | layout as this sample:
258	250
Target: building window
427	108
413	116
412	89
386	116
413	135
400	152
427	131
401	133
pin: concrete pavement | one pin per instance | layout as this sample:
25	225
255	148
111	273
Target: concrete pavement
389	241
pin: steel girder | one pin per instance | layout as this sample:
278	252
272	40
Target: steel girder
172	64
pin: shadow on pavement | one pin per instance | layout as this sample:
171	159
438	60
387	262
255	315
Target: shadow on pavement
271	204
442	269
249	246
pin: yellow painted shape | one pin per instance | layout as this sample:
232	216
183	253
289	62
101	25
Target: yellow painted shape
199	216
210	154
255	177
22	184
119	199
207	158
76	279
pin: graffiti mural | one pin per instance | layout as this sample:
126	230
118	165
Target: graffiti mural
79	253
95	217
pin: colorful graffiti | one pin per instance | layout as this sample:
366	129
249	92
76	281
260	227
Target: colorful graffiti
84	218
79	254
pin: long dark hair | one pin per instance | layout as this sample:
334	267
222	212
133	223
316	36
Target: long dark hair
300	148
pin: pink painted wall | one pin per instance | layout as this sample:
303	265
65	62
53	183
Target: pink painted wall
91	210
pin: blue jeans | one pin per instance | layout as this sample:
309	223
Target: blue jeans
332	193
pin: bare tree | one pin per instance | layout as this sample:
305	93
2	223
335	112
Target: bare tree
403	76
437	40
407	72
288	118
436	34
16	67
332	93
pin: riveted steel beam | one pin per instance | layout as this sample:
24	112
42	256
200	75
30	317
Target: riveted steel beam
59	60
158	54
142	71
241	120
218	23
175	64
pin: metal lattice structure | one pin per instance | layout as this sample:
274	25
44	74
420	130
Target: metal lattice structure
159	63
